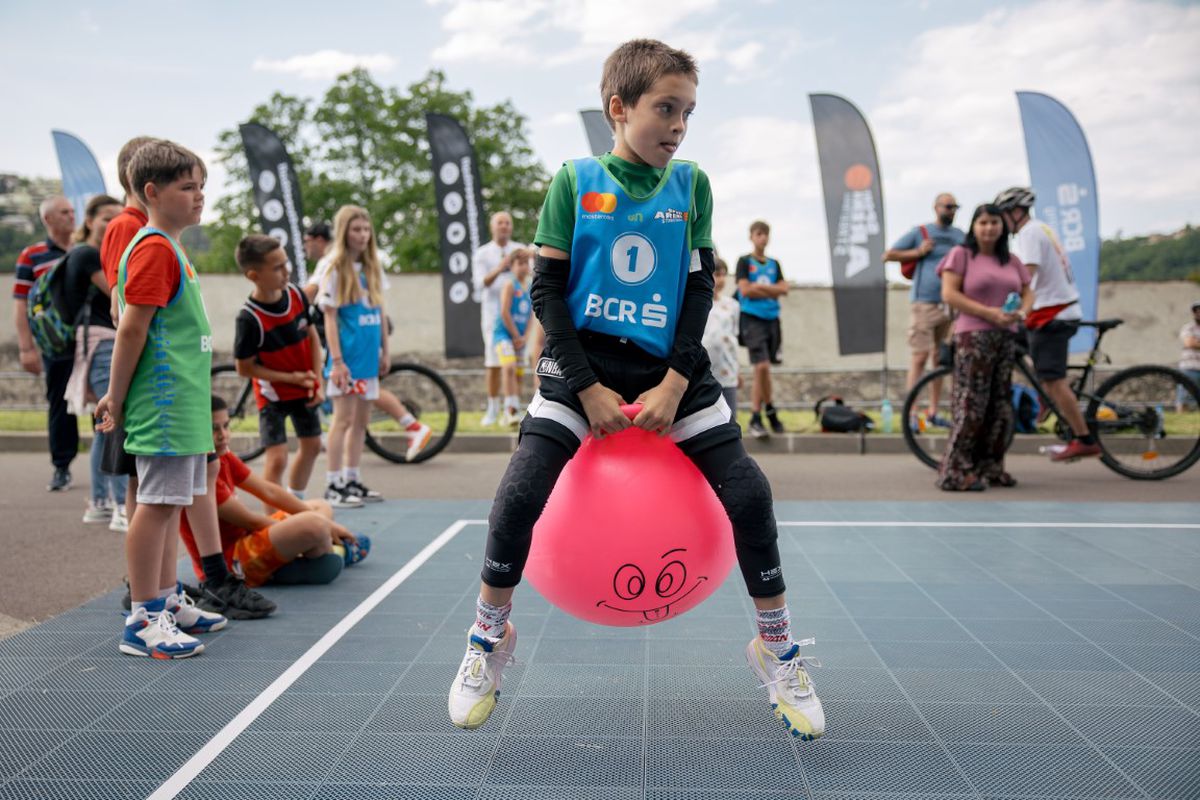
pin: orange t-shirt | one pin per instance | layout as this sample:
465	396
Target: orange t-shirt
117	236
233	473
152	273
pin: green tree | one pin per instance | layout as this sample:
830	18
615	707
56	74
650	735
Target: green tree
365	144
1160	258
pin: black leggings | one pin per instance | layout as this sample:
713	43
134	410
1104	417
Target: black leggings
735	477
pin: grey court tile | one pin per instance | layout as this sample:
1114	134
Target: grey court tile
1143	727
912	630
93	756
1045	771
103	675
20	749
1160	657
1109	687
1101	610
393	791
355	648
77	790
426	714
999	723
250	789
36	643
1183	686
590	651
169	711
567	761
770	765
304	713
823	629
278	756
565	680
843	655
714	652
919	769
873	721
935	655
412	759
56	710
709	717
1138	631
529	792
734	681
860	685
578	716
964	686
338	677
698	624
16	672
232	677
1165	774
431	678
900	607
1054	655
1021	630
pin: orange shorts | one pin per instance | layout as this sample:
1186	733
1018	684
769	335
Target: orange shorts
257	556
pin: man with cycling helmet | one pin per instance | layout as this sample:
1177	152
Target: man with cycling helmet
1055	315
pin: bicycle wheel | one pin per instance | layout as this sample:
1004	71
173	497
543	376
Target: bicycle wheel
427	397
1147	421
238	394
927	442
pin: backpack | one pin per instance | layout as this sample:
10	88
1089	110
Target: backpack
909	268
52	331
1025	408
840	418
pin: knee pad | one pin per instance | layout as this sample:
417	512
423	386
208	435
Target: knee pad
522	495
746	495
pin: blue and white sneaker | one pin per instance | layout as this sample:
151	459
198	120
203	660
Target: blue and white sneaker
190	617
477	685
789	688
156	635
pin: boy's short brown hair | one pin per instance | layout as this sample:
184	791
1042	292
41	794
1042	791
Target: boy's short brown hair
125	156
160	162
252	250
720	267
631	69
759	225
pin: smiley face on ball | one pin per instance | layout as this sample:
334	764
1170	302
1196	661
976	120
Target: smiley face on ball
633	595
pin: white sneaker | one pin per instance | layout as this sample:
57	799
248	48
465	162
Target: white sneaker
191	618
157	636
793	699
477	685
97	512
511	418
418	438
489	419
119	523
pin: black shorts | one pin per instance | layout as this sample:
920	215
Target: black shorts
1049	345
114	460
762	337
273	417
702	419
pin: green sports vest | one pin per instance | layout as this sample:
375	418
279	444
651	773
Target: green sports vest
168	409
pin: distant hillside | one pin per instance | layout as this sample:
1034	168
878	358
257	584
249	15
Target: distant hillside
1174	257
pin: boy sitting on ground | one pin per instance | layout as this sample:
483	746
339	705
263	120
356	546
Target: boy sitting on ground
299	543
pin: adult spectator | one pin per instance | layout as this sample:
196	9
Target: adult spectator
928	316
1189	358
1055	315
316	243
489	268
86	296
58	217
977	278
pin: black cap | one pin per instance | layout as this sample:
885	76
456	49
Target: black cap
320	230
1195	305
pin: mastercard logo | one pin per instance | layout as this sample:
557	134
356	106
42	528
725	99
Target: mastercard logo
598	202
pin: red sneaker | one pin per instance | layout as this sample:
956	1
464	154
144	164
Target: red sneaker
1075	450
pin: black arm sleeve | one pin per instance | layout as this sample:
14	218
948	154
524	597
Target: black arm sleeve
548	293
693	316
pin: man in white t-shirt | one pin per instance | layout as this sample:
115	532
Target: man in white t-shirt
489	272
1055	315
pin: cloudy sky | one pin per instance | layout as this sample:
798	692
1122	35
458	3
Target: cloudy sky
934	77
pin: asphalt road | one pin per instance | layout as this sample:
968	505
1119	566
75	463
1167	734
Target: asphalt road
52	562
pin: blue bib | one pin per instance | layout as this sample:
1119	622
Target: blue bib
520	308
630	258
761	307
360	335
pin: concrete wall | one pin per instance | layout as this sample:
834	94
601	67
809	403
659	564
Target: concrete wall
1153	313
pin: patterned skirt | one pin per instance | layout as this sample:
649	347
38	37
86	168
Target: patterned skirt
983	364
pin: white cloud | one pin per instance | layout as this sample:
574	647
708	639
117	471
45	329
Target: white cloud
325	64
948	119
88	21
489	30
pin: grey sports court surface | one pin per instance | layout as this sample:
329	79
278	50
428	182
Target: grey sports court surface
1031	650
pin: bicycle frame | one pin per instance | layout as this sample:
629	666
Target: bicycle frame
1078	385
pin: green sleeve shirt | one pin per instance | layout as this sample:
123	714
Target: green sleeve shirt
556	225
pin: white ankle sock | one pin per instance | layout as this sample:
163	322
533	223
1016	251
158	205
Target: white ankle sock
297	493
407	420
493	406
334	479
349	474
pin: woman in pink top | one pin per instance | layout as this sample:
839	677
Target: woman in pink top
977	278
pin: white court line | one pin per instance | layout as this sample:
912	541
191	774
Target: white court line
205	756
841	523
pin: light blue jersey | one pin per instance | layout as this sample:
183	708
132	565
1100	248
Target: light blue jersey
765	272
630	258
520	308
360	334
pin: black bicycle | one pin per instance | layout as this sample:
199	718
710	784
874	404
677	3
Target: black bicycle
422	391
1145	418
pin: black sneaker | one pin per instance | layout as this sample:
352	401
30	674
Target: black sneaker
60	481
357	489
340	497
773	421
234	599
756	428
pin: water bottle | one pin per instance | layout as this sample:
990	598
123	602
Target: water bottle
1011	303
885	413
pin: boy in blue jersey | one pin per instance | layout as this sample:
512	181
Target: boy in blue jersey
760	284
508	336
622	285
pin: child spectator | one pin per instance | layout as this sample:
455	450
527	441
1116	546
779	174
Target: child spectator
276	344
720	338
159	389
508	337
760	284
295	544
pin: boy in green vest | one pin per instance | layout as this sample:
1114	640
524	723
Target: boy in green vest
160	390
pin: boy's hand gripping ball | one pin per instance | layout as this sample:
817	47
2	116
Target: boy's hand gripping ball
632	533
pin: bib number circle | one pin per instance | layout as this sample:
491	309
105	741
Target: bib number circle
633	258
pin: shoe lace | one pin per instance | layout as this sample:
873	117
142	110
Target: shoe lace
185	599
791	673
166	623
479	664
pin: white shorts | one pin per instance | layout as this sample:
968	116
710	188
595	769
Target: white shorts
367	388
171	480
487	327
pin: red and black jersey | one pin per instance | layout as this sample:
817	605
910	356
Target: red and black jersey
276	336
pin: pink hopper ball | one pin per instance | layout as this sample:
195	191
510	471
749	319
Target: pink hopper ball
632	533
